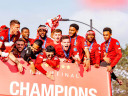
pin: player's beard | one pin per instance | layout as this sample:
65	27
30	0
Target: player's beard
26	39
43	37
74	35
19	51
91	40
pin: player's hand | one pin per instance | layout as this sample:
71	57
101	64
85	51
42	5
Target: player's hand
119	81
5	59
109	69
20	67
32	66
107	60
44	59
87	65
85	60
77	59
97	65
62	60
50	75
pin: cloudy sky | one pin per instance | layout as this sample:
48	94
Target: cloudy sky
104	13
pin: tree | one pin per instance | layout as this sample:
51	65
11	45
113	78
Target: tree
121	70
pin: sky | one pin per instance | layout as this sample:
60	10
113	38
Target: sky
104	13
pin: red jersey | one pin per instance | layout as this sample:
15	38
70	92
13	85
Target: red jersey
29	42
5	36
113	51
62	54
39	60
77	46
53	44
46	41
94	50
17	55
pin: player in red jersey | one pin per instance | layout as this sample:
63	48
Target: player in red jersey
93	47
77	45
48	57
3	27
63	50
57	35
25	36
110	52
7	39
10	35
19	47
42	30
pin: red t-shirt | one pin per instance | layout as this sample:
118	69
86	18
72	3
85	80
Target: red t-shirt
39	60
46	42
94	52
4	37
17	55
78	47
62	54
29	42
53	44
114	51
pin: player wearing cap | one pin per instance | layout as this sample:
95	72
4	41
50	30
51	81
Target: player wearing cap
48	57
77	45
110	52
93	47
42	31
25	36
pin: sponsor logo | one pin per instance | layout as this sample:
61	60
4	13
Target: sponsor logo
117	43
2	38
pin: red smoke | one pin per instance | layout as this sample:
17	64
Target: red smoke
105	3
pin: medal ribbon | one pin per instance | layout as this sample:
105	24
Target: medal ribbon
75	40
90	47
9	39
107	46
66	54
44	42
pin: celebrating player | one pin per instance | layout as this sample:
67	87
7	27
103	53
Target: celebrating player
63	51
30	53
93	47
42	31
19	47
110	52
25	36
48	57
77	46
9	35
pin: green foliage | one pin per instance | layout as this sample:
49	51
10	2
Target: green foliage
121	70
